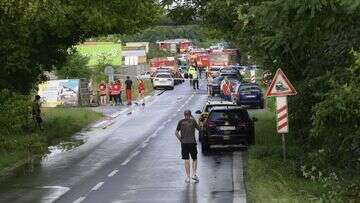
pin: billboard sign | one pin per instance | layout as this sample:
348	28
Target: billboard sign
60	93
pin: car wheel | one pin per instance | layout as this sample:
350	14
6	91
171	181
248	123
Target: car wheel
171	88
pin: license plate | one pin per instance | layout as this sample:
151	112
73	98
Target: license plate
226	137
250	96
227	128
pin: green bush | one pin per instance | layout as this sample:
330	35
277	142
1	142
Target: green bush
14	112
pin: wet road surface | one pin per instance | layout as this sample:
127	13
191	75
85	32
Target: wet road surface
137	159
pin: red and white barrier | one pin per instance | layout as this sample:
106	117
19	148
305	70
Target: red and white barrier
282	115
253	76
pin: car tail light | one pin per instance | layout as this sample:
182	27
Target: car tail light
210	124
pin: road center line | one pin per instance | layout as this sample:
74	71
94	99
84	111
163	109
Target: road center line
114	172
98	186
130	157
238	179
80	199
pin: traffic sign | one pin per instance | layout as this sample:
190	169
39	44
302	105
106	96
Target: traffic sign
266	77
280	86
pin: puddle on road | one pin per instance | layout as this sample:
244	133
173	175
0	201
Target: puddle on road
32	165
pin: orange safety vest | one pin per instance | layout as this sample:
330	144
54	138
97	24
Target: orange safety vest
226	89
102	89
141	86
115	89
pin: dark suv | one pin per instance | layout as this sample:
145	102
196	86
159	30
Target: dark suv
228	126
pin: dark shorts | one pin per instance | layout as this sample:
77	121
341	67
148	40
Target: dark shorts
188	148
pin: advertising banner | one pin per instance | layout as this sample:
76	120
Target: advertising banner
55	93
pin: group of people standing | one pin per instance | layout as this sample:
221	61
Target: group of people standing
114	90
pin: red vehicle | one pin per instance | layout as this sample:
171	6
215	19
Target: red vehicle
225	57
202	60
164	62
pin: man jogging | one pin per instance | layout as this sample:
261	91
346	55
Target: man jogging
128	84
185	132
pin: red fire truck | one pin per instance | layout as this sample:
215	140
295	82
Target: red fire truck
164	62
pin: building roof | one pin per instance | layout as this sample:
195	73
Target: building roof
173	41
134	52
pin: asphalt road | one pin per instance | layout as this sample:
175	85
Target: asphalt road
137	159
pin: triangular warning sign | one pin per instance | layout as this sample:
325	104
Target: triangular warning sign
280	86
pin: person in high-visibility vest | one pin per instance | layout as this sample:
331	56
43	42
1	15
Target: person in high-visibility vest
206	72
226	88
191	72
195	80
116	92
102	92
141	88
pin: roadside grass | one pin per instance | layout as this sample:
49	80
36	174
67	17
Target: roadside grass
268	178
59	125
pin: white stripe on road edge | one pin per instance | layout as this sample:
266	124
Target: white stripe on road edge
80	199
114	172
97	125
130	157
55	193
238	179
98	186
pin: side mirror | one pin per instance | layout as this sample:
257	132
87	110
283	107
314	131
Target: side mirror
255	119
198	112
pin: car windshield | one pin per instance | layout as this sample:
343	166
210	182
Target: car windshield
229	115
163	76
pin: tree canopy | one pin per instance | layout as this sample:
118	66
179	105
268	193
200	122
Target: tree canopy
36	34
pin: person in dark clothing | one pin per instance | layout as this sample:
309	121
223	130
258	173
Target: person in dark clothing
185	132
36	112
128	84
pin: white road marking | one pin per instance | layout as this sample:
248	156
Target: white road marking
114	172
97	186
129	158
97	125
238	179
80	199
55	193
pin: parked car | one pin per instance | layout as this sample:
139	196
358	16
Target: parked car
231	73
163	80
249	94
228	126
205	111
215	71
145	76
216	84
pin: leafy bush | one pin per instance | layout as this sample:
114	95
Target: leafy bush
336	127
14	112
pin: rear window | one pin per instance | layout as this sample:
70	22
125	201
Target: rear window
249	88
209	107
163	76
229	115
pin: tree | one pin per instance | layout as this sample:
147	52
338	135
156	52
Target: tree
74	67
36	34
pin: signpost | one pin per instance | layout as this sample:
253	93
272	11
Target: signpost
280	88
266	78
109	71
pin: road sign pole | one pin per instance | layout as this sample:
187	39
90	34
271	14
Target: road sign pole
283	146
